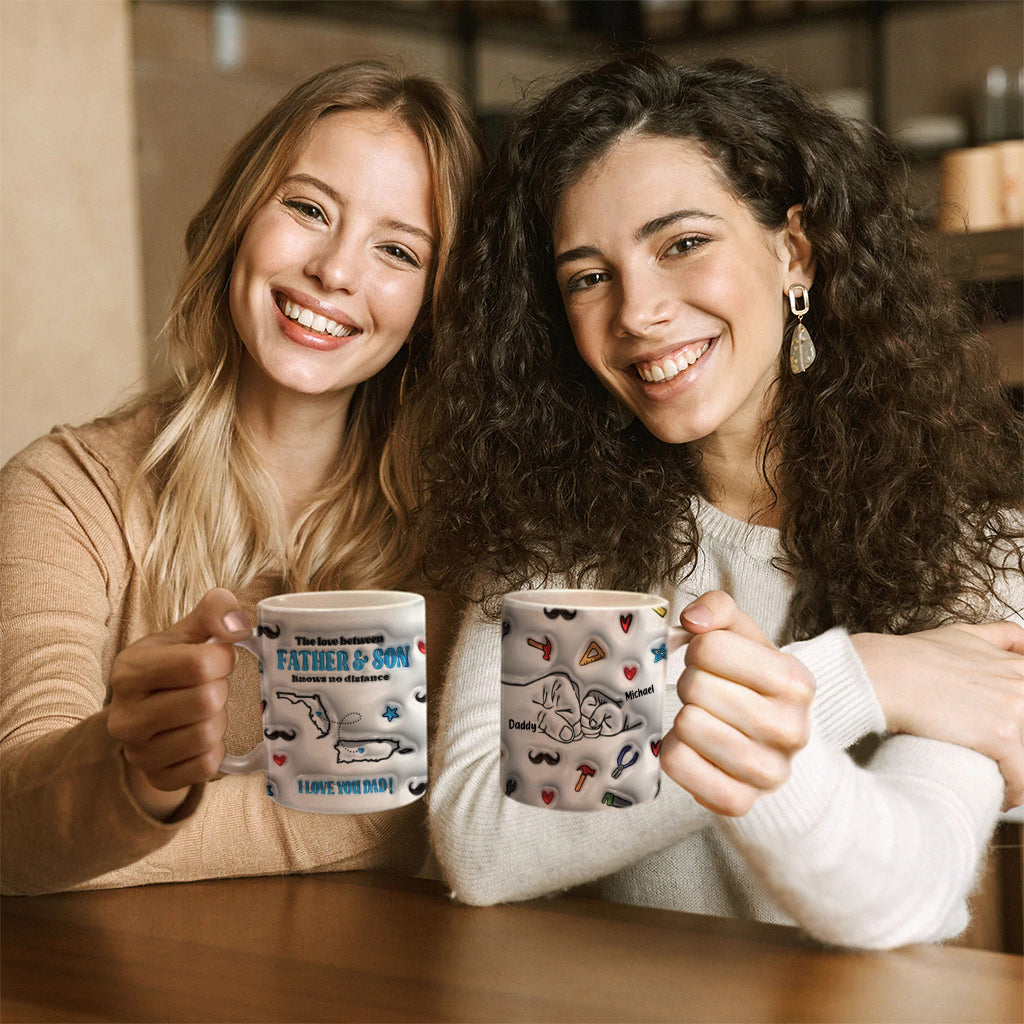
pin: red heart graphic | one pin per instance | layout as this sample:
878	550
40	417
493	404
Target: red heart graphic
279	759
625	621
422	646
656	747
263	706
629	672
547	795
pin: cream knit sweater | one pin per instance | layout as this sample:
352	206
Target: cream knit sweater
874	856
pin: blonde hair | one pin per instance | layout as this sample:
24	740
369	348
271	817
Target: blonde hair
217	516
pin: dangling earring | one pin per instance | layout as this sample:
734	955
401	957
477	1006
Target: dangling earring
801	348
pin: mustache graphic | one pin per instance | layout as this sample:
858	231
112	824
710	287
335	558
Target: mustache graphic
280	734
417	787
271	631
542	756
560	613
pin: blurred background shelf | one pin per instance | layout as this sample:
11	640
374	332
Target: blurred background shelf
587	28
987	257
990	267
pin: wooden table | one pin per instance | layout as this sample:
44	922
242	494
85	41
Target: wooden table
364	947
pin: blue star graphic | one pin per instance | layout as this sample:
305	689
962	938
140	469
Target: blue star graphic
660	654
391	714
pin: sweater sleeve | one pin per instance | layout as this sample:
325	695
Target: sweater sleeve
68	814
492	849
845	707
880	856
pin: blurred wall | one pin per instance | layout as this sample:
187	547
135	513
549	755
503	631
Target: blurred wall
71	339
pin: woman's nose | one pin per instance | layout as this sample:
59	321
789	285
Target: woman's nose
644	305
335	265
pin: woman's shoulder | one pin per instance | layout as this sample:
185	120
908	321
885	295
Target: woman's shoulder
82	467
110	446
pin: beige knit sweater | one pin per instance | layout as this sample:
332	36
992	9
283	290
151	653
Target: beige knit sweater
70	600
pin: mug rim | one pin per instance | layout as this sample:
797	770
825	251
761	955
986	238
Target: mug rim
587	598
340	600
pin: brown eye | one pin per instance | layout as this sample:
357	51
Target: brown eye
308	210
682	246
398	252
586	281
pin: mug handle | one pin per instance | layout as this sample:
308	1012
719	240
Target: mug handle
256	759
678	637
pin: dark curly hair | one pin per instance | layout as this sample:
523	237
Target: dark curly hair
898	456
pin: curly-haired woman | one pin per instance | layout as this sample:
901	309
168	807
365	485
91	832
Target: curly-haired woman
276	459
699	346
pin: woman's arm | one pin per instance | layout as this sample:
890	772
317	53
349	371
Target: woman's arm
68	812
961	683
873	857
880	856
70	815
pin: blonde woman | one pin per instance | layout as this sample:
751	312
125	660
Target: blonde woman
274	460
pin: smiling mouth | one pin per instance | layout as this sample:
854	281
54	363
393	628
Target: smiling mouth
314	321
658	371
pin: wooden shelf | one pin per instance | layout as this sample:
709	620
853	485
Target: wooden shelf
591	29
586	23
987	257
990	265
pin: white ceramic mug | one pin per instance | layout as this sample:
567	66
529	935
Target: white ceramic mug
344	686
582	691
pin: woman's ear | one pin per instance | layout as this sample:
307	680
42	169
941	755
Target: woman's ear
798	245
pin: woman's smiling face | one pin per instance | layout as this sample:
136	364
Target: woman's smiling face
332	270
673	290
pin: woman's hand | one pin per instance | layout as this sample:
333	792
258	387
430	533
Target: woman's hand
960	683
746	710
167	705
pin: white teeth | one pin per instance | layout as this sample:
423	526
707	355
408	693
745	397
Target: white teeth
667	368
314	321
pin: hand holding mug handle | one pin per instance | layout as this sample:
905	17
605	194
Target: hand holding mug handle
746	709
168	694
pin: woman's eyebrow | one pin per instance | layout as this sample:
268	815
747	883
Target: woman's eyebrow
409	229
322	186
652	227
339	200
642	234
581	252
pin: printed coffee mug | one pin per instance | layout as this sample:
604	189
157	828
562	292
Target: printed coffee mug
344	687
582	691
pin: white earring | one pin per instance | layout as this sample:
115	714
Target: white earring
801	349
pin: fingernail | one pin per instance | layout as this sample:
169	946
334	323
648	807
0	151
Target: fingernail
236	622
699	615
